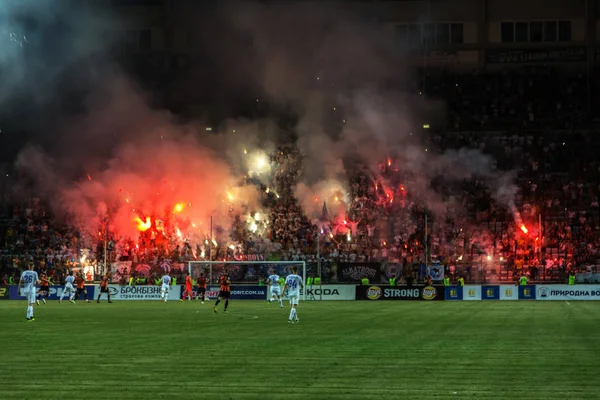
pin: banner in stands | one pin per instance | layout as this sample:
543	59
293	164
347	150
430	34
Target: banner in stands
535	55
237	292
472	292
527	292
141	292
329	292
120	269
55	292
509	292
567	292
354	272
490	292
4	292
435	272
383	292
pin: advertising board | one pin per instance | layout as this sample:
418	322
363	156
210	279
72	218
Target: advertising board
329	292
509	292
490	292
385	292
237	292
454	293
527	292
472	292
567	292
141	292
4	292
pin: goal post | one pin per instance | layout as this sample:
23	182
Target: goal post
245	272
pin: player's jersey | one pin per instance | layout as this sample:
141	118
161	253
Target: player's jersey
70	279
202	283
188	281
166	280
273	280
29	279
224	283
104	283
44	281
80	282
294	282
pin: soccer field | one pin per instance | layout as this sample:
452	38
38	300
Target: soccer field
339	350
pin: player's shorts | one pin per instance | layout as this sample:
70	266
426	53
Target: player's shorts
201	290
294	297
69	288
164	289
30	296
188	289
80	291
103	289
275	291
224	295
44	289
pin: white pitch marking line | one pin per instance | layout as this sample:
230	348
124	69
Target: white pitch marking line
567	303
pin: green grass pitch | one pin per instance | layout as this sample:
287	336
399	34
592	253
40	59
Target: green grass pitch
339	350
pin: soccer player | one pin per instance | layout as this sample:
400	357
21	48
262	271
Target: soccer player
68	288
293	283
275	289
44	291
81	288
164	289
224	291
188	287
29	279
201	287
104	288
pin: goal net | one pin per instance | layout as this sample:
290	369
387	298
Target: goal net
245	272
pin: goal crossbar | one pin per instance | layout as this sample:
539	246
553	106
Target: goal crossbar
211	263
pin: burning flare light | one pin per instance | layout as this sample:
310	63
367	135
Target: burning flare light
143	226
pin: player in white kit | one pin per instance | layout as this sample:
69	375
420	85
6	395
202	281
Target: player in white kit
293	284
28	280
275	289
164	289
69	289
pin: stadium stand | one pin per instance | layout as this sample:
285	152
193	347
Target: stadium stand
535	121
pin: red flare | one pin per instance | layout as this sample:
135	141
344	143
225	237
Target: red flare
143	226
524	229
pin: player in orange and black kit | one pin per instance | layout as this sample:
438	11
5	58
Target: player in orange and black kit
201	287
81	287
104	288
224	291
189	288
44	291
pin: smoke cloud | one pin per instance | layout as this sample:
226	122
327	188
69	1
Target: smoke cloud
338	73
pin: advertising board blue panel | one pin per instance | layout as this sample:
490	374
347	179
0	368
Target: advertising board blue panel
490	292
4	292
454	293
527	292
55	292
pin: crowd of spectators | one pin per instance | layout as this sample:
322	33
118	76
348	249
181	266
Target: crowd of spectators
530	121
